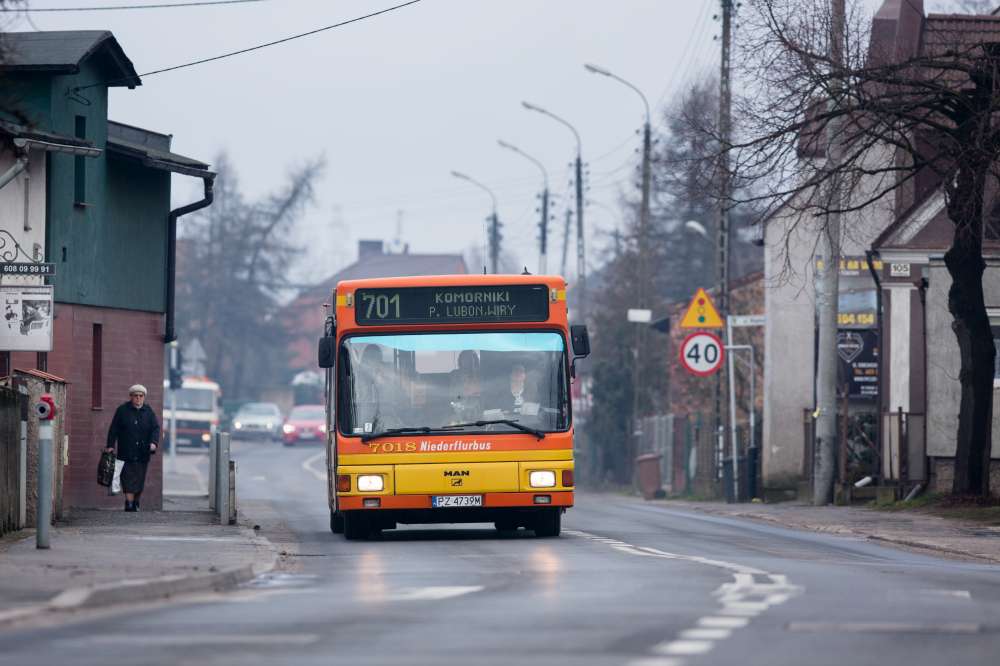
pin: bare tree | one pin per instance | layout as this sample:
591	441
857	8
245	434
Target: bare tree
236	260
912	117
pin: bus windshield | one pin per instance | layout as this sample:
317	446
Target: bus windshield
437	380
196	399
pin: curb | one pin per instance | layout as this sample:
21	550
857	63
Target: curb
130	592
846	531
149	589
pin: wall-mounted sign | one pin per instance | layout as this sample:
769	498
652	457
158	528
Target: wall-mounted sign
26	323
27	268
899	270
858	351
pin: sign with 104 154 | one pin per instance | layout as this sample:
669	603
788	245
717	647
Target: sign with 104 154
439	305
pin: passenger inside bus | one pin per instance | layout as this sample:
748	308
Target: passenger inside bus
465	387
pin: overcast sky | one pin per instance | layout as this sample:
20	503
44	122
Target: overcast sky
397	102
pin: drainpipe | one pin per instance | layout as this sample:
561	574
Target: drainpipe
871	255
209	180
19	165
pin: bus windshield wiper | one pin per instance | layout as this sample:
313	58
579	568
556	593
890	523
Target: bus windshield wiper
509	422
398	431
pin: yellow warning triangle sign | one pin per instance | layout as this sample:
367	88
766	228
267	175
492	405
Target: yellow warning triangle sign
701	313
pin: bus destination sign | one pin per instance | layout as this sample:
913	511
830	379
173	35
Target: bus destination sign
458	305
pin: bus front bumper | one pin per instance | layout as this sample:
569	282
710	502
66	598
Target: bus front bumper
533	499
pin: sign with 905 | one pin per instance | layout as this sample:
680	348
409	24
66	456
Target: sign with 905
27	268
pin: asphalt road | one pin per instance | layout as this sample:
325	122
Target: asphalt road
627	583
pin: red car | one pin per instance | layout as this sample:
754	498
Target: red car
305	423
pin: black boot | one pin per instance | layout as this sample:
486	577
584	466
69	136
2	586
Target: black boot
135	503
130	506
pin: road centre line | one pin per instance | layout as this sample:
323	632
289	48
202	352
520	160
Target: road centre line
147	640
308	463
751	592
432	593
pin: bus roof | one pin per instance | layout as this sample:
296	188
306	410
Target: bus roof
469	279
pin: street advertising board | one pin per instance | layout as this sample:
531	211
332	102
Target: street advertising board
858	367
702	353
27	318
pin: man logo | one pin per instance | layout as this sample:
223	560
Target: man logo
456	472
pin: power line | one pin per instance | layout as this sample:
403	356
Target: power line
108	8
260	46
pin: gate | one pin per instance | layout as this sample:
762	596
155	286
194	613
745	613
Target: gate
10	461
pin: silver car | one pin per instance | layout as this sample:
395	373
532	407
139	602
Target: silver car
258	420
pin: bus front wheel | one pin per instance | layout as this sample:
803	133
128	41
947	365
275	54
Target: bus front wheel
548	523
356	525
336	522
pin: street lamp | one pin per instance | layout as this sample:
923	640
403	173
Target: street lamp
641	238
543	226
494	231
697	228
581	265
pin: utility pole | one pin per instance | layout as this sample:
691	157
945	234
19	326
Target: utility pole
581	259
543	227
494	243
565	248
543	234
725	186
828	287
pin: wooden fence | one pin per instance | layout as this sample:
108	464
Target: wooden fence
10	460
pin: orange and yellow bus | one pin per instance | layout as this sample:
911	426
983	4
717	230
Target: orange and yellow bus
448	401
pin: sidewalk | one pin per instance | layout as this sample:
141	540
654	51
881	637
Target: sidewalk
953	537
100	558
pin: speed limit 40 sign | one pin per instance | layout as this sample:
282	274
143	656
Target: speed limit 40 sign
702	353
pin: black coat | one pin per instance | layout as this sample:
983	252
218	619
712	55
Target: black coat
134	430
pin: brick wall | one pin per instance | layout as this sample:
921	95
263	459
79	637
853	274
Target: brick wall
133	353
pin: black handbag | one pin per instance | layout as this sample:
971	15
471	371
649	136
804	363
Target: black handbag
106	469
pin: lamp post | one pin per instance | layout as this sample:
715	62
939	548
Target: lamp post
543	225
581	261
493	234
641	239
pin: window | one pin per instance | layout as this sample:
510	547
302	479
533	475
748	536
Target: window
97	368
80	165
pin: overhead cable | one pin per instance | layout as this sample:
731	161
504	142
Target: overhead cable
109	8
260	46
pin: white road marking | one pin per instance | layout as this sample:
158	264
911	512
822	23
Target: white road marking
684	647
751	592
432	593
184	538
705	634
886	627
958	594
724	622
308	463
147	640
259	477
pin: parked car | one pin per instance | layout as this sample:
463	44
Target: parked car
305	423
258	419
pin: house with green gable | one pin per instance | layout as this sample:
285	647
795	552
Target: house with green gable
91	197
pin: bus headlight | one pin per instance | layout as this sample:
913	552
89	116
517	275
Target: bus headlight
237	425
370	483
205	437
542	478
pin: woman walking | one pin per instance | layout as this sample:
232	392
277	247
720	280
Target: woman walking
136	431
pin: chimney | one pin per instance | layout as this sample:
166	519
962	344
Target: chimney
369	248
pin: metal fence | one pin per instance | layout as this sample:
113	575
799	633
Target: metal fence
11	461
685	442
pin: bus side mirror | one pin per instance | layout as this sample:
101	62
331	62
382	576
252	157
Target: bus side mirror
327	351
580	340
